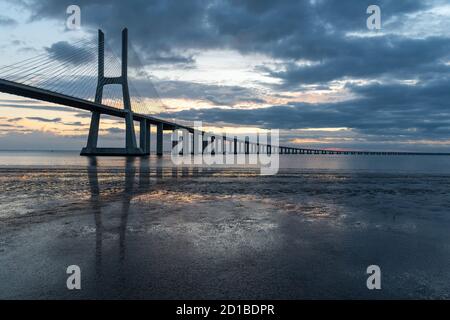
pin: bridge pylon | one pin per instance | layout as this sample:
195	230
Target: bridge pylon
131	147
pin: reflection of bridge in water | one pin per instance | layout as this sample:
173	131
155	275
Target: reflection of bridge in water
57	78
139	178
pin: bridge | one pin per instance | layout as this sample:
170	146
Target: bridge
42	78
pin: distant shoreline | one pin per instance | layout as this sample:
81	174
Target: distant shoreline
341	152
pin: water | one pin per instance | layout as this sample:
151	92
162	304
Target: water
143	228
353	163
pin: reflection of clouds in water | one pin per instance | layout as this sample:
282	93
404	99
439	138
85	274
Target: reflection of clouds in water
167	196
227	223
25	191
307	209
223	239
311	211
213	224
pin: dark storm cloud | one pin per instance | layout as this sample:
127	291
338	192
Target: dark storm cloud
69	53
291	30
391	56
160	30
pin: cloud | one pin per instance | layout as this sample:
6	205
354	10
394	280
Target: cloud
17	42
66	52
83	115
169	31
7	22
115	130
39	140
14	119
27	101
75	123
389	56
161	30
37	107
217	94
143	57
8	125
383	112
88	115
45	119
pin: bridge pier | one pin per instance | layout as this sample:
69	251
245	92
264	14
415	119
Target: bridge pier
93	131
193	144
186	145
213	145
184	142
204	142
144	136
130	135
224	145
174	146
185	139
159	139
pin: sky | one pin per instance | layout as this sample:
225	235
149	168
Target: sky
311	69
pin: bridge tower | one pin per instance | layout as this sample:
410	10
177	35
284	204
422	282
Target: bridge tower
130	136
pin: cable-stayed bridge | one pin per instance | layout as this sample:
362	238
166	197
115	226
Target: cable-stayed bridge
73	75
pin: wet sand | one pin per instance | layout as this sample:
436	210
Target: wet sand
184	233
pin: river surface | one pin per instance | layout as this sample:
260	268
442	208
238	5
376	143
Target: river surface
147	229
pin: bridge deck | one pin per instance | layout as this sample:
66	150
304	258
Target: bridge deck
62	99
65	100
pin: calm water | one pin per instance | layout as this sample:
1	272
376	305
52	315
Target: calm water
143	228
355	163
